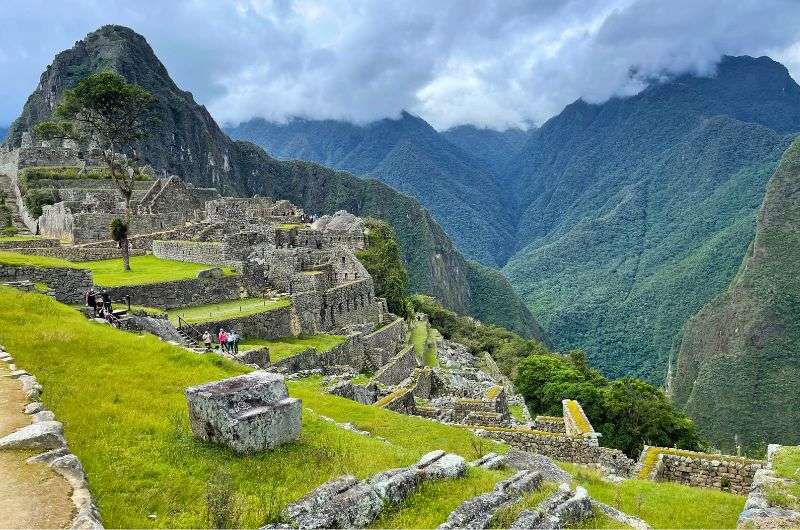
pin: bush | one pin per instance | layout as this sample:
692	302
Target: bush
629	412
382	260
36	198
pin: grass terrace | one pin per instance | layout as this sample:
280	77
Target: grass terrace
663	504
108	273
14	239
120	397
517	413
423	337
289	346
786	464
653	452
224	310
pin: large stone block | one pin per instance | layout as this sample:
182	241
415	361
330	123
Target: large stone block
248	413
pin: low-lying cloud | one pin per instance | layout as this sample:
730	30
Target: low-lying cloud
496	64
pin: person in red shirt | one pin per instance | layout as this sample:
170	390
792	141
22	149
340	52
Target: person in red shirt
223	339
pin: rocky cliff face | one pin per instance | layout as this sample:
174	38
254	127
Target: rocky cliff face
738	369
189	143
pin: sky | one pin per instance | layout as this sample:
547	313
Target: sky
500	64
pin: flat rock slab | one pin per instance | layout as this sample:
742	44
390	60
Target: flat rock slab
44	435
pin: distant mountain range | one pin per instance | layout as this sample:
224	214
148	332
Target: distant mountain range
615	222
188	142
3	132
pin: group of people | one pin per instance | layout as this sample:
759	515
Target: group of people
100	303
228	340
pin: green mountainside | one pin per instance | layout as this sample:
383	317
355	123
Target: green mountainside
3	132
738	369
495	148
188	142
461	191
637	212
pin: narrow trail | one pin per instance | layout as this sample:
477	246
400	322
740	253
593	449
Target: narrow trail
31	495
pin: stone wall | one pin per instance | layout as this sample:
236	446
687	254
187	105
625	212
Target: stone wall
78	253
549	424
183	293
562	447
348	304
723	472
381	345
398	368
31	243
69	285
192	251
274	324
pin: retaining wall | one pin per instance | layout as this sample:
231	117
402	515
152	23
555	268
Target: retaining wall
183	293
398	368
192	251
562	447
69	285
381	345
78	253
274	324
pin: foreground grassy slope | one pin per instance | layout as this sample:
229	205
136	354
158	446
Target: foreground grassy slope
738	371
120	397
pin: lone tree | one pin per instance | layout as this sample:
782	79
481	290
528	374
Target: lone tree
113	115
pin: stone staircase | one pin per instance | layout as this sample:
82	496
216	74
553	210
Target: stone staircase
11	203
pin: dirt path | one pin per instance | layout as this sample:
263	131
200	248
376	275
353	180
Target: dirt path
31	496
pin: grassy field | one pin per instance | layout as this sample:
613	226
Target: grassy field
224	310
663	504
120	397
288	346
109	273
18	238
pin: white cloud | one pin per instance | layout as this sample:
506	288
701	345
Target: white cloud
495	64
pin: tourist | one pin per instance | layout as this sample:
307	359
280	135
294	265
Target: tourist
207	340
222	338
112	319
106	300
233	342
91	300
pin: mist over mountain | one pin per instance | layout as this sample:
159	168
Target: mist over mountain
188	142
615	222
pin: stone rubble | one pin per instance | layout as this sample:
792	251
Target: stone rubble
478	511
758	512
563	508
346	502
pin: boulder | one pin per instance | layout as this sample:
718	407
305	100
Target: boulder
490	461
44	435
48	456
43	415
33	408
248	413
550	471
257	356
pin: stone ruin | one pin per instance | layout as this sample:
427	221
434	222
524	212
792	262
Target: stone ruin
247	413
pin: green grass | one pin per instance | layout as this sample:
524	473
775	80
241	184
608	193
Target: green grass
120	397
517	413
663	504
109	273
508	514
224	310
599	520
429	506
18	238
786	464
288	346
423	337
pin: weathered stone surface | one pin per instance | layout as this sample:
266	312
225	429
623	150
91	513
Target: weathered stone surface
30	387
561	509
490	461
539	463
248	413
33	408
48	456
758	512
257	356
69	467
43	415
214	272
44	435
622	517
478	511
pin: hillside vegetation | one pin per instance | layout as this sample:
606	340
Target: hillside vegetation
738	368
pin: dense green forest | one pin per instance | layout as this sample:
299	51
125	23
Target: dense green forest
738	370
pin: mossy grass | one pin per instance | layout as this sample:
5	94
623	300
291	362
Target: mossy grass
429	506
786	465
517	413
109	273
18	238
423	338
577	416
289	346
224	310
662	504
120	397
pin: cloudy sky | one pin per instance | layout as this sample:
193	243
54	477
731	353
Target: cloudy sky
496	64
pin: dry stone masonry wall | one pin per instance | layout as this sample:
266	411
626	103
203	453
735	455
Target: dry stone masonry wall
69	285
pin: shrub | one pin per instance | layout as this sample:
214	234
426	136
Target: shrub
36	198
382	259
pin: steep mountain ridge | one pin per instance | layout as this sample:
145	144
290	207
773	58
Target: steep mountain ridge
188	142
738	367
460	190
